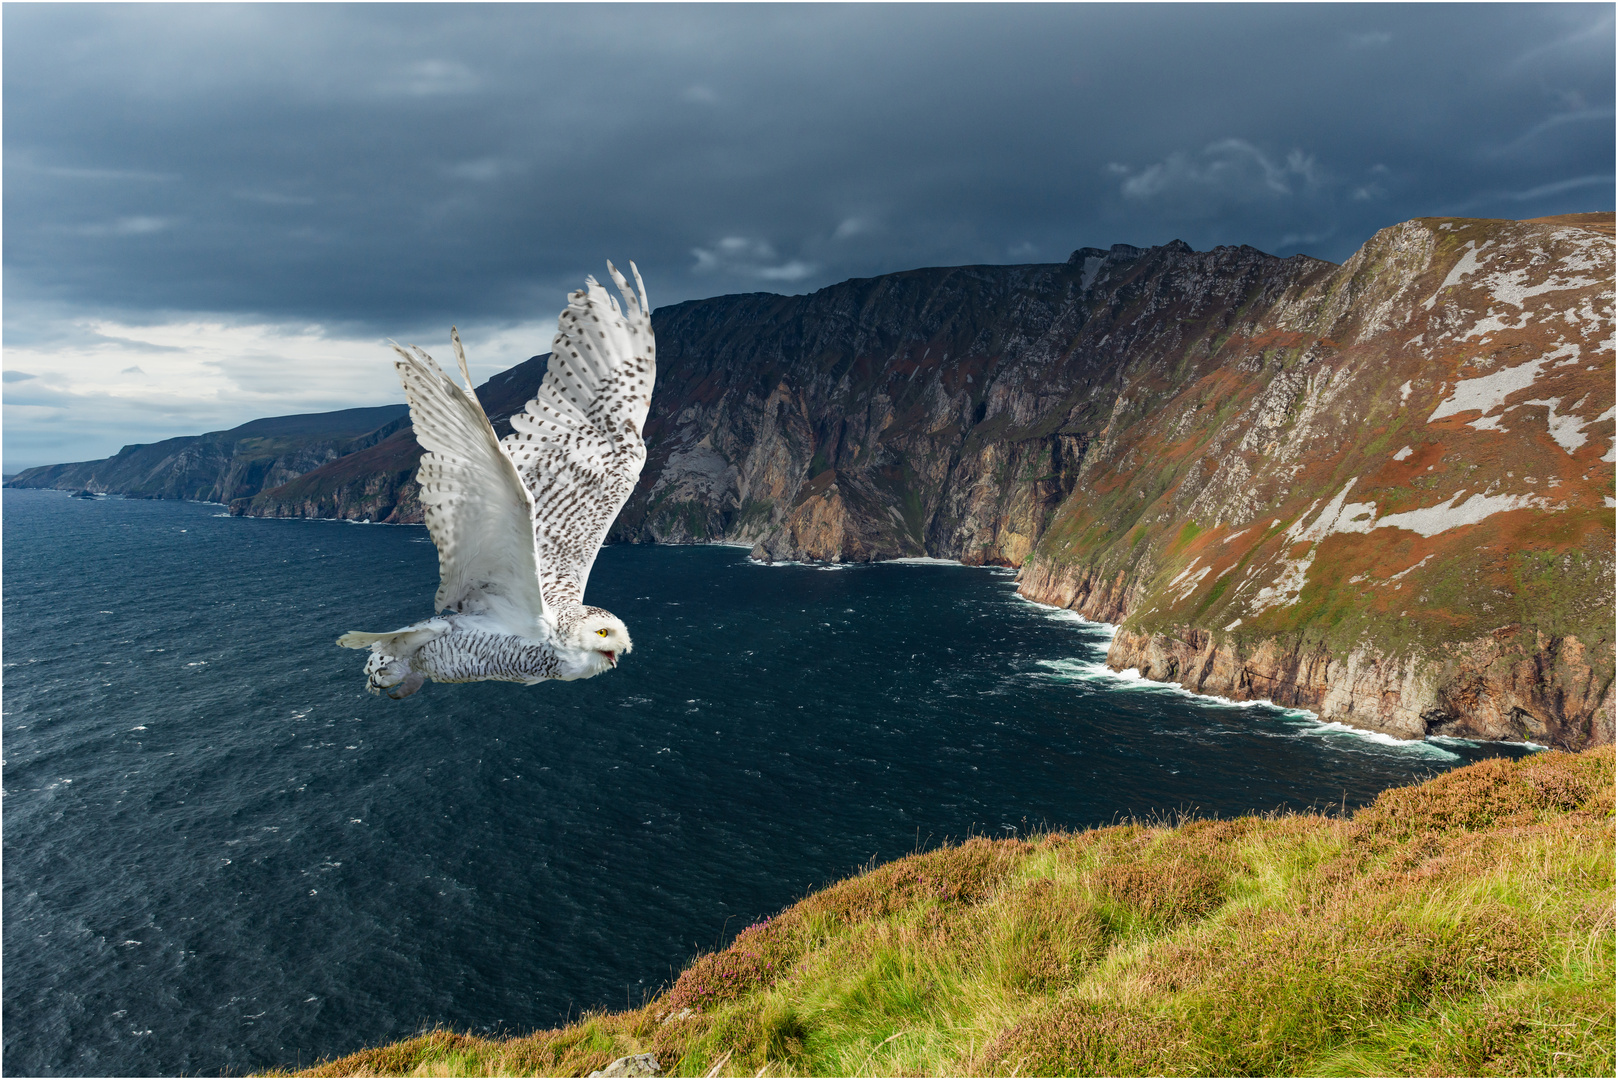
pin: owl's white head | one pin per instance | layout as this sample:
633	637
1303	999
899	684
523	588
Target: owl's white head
603	633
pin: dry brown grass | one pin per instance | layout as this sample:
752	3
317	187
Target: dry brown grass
760	954
1083	1038
1497	793
964	874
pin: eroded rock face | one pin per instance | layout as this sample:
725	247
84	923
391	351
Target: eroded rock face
1383	491
1492	688
1391	502
944	412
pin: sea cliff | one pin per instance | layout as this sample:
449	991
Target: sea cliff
221	466
1382	491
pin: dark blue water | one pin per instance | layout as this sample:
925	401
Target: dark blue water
221	854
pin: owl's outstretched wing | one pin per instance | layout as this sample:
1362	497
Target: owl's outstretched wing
474	504
577	447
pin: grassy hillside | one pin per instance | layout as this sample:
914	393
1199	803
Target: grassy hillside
1463	926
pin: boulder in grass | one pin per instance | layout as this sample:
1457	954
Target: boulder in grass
634	1065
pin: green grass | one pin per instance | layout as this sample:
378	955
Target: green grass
1463	926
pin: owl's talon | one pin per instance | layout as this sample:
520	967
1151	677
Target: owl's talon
407	686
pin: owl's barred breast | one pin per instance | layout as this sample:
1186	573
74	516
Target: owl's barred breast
466	654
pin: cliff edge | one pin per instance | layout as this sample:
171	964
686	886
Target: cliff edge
1462	927
1381	491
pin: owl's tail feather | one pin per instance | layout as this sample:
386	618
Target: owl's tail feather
395	642
358	639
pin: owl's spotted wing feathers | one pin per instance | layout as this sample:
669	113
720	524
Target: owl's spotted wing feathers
578	447
474	505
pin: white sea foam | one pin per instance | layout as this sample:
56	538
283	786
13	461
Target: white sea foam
915	560
1132	679
1304	722
1051	611
1451	740
1333	727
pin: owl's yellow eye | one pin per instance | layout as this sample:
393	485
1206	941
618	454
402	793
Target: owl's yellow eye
601	633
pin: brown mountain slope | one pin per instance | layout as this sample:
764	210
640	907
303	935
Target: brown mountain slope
1597	223
1391	503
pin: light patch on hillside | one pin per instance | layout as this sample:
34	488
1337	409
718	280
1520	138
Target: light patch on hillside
1294	575
1191	584
1175	580
1493	324
1567	429
1590	255
1412	569
697	470
1511	287
1612	452
1468	264
1488	392
1338	517
1432	520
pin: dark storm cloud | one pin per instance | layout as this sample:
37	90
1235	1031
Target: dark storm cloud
389	166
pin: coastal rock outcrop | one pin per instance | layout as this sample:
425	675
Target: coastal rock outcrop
1382	491
1390	502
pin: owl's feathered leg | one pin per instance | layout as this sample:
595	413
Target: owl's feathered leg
391	673
407	686
386	669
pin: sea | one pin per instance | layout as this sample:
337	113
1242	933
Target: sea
220	854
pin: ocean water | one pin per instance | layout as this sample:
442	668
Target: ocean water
221	854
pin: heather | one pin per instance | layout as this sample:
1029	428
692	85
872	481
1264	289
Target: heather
1461	926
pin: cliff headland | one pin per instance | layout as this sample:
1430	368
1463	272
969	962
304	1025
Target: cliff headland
1382	491
1463	927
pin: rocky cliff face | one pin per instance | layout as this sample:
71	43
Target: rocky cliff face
378	482
943	412
1388	499
1382	491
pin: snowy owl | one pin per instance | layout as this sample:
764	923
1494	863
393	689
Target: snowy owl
518	521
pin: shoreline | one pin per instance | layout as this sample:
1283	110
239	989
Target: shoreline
1134	677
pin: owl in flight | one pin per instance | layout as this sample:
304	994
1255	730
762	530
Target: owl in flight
518	521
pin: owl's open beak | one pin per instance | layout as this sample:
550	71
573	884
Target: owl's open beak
612	657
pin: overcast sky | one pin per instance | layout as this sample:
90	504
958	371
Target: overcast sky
213	214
